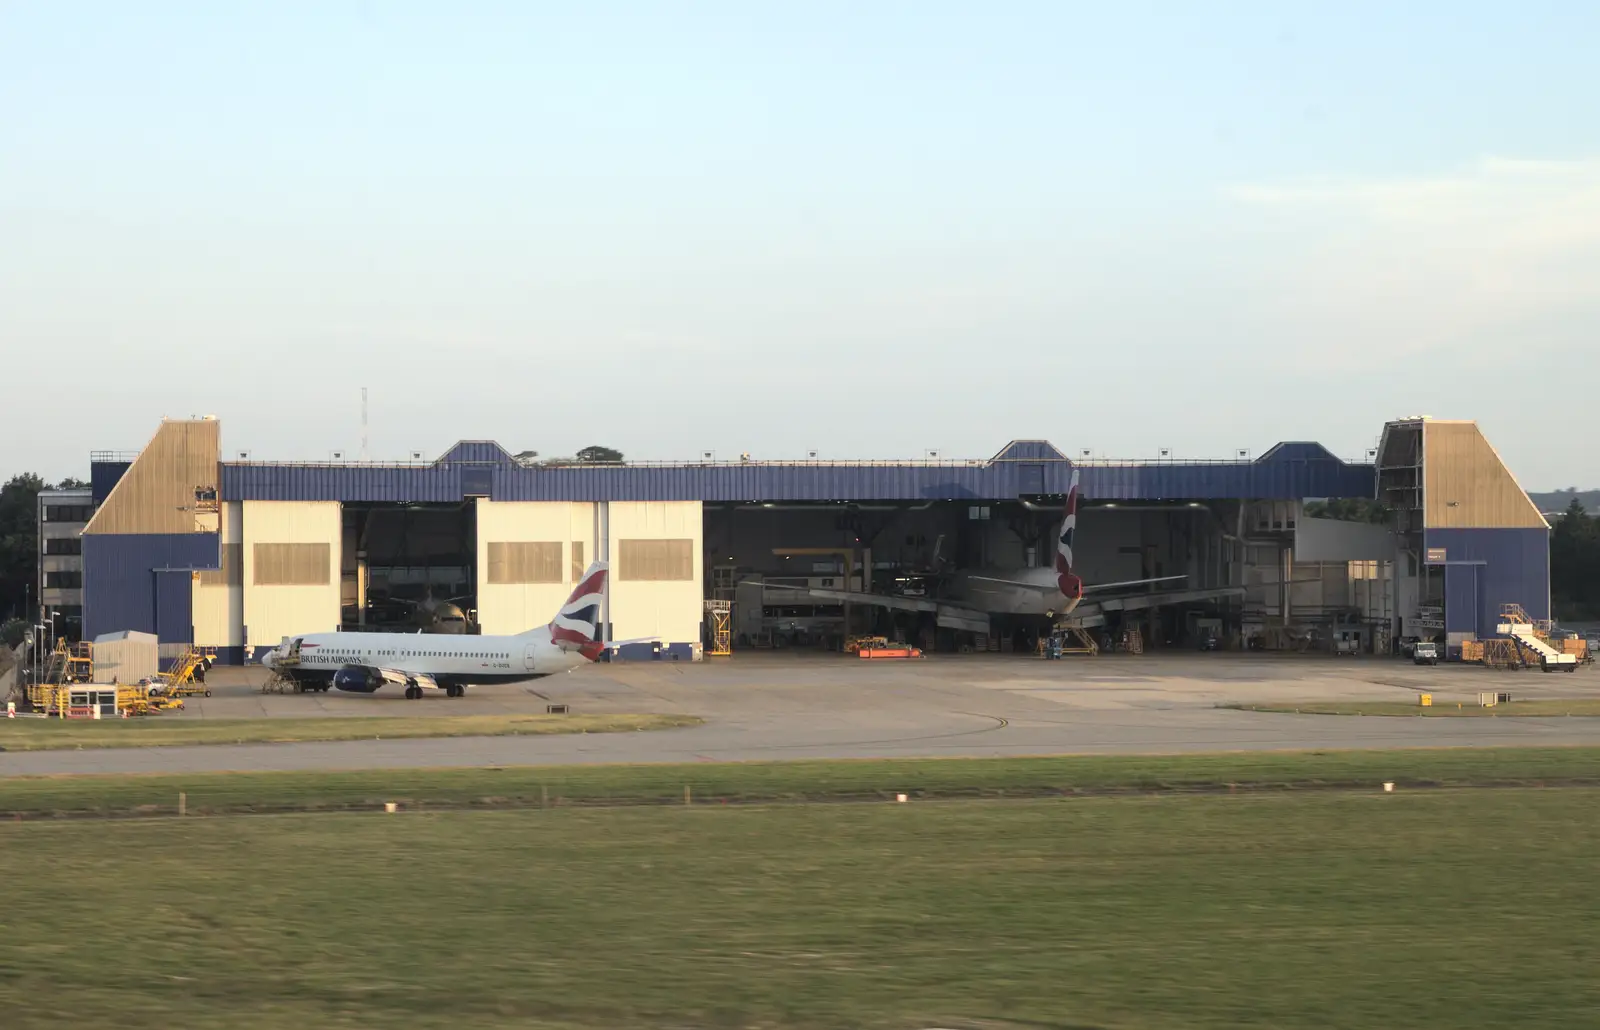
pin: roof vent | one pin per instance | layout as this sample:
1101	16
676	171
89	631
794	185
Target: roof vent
417	456
335	455
244	455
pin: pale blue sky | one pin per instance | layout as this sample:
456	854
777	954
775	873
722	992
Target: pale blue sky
867	228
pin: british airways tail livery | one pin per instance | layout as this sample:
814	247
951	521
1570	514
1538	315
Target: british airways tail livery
1068	581
1054	591
364	662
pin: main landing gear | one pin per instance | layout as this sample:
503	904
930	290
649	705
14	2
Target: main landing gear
414	692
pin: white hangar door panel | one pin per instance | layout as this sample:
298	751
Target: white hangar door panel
657	564
219	596
290	568
530	554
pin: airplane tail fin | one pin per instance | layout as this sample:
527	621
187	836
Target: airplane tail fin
577	626
1067	579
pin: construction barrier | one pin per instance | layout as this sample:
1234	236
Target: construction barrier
890	652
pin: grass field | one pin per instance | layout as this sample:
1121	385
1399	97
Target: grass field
167	731
1458	909
1440	709
746	782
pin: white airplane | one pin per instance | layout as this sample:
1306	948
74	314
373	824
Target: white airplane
1051	592
363	662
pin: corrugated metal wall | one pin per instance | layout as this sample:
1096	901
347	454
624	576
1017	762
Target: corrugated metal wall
515	607
127	587
1514	569
272	612
157	493
1465	484
1283	479
104	475
670	609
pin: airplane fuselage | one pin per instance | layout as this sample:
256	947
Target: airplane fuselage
445	660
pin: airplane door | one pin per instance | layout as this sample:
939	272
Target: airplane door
529	658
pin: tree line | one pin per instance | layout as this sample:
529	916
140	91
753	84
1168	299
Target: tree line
1575	564
19	551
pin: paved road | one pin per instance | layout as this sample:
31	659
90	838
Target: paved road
794	709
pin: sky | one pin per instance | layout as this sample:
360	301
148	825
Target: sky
868	229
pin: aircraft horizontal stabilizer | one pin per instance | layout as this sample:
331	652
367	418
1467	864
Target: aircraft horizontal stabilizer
1130	583
1043	588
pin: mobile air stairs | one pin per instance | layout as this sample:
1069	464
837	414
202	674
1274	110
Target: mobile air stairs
1532	637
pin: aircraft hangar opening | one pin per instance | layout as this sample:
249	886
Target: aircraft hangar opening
408	566
1292	549
965	575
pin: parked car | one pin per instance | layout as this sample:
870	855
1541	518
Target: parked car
1426	652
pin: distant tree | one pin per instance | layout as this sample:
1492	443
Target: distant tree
19	542
12	632
1348	509
1575	563
598	455
72	483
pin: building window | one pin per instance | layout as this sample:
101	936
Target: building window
68	512
978	512
63	545
64	580
577	560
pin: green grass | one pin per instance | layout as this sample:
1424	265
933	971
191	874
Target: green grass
221	793
167	731
1460	909
1440	709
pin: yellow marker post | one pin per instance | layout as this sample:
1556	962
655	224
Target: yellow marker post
1425	700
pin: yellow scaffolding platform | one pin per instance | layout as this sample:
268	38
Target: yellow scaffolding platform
66	665
186	678
719	616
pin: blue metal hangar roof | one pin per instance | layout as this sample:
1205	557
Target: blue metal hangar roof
1289	471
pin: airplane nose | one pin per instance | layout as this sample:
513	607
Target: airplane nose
268	658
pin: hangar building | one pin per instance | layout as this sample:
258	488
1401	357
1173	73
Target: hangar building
237	555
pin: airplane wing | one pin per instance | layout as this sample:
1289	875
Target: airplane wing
364	679
1131	583
1053	589
1040	587
946	614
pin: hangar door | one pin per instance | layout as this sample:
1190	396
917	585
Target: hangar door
1463	600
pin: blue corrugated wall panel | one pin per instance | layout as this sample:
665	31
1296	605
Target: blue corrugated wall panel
174	607
1463	598
103	475
1515	569
1283	478
124	586
440	483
